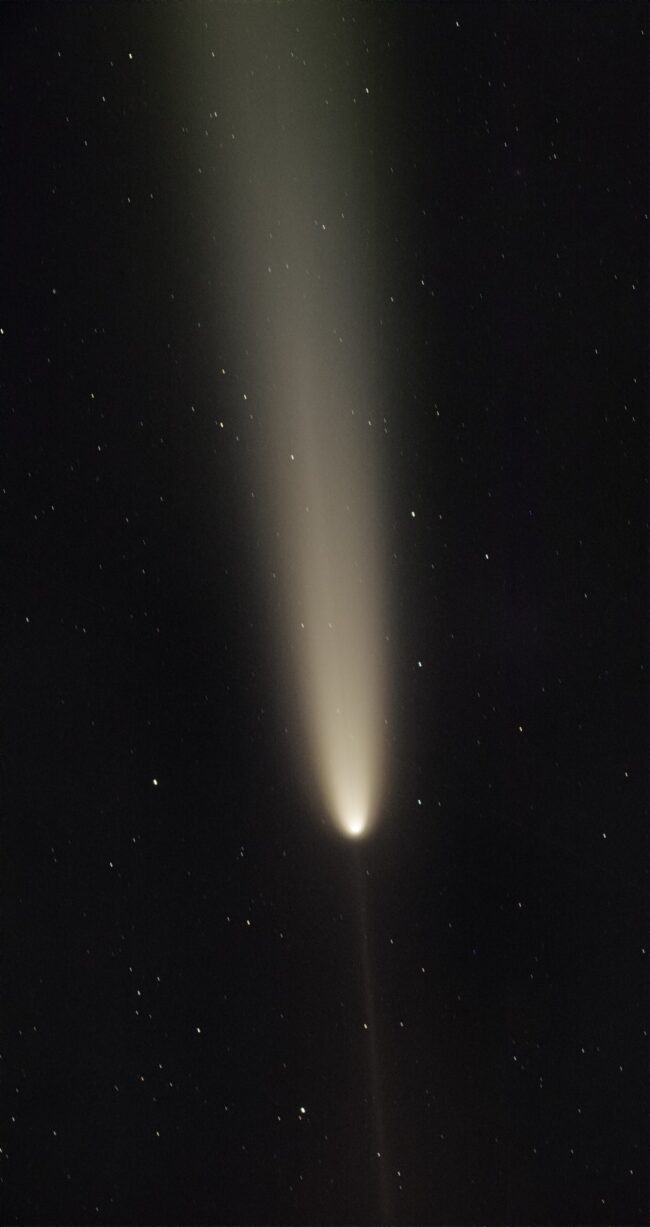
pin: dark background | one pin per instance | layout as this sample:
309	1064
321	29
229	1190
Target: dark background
506	923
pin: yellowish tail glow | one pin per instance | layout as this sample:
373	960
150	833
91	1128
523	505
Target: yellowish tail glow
330	518
296	226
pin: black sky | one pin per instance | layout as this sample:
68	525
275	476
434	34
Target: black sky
183	1029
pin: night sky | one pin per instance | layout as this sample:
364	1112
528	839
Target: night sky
217	1009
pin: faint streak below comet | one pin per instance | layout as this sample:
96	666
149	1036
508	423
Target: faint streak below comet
374	1065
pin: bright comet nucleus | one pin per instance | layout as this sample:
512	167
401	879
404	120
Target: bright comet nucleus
354	826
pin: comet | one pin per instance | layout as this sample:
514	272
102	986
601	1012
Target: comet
295	195
295	201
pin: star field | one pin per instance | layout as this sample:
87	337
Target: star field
214	1005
